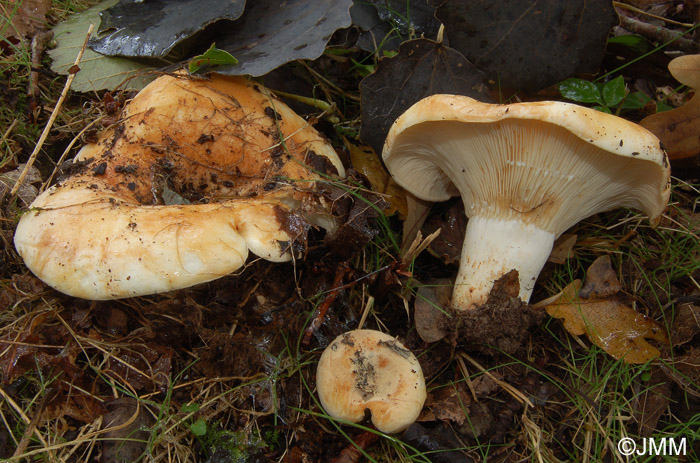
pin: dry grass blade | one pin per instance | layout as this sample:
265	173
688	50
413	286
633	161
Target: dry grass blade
52	118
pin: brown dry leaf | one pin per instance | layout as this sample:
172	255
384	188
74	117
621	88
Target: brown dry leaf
26	16
610	324
601	280
686	325
448	403
685	371
563	248
432	321
366	162
678	129
126	434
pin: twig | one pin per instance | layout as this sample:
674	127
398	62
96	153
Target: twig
54	114
320	313
39	43
658	33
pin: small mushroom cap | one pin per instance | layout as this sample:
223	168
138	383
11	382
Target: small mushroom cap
370	370
197	173
549	162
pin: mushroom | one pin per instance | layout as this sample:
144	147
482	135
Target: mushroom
526	172
370	370
197	173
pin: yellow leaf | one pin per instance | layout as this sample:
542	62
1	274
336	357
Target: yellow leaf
610	324
367	163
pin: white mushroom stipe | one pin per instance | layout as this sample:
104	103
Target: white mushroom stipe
370	370
480	266
526	172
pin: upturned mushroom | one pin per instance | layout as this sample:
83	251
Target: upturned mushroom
197	173
370	370
526	172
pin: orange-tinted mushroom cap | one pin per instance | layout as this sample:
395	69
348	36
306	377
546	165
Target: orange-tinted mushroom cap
197	173
370	370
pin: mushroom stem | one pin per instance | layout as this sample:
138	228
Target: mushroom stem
493	247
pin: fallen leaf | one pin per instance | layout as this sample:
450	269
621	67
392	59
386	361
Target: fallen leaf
366	162
152	29
686	325
430	316
421	68
563	248
684	371
375	35
532	44
27	191
271	33
652	402
25	16
678	128
97	72
450	219
601	280
409	18
126	425
610	324
437	442
449	403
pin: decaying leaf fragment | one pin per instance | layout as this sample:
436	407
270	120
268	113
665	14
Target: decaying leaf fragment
608	322
367	163
678	129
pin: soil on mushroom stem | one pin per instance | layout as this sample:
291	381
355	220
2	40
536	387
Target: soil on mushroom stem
502	325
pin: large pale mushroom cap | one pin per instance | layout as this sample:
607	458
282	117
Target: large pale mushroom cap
196	173
370	370
524	169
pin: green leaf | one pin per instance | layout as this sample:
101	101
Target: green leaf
614	91
199	427
636	100
635	42
189	408
602	109
661	107
210	58
580	90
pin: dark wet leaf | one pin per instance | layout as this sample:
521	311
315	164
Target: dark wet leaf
410	18
437	442
375	34
421	68
270	33
450	219
529	44
152	28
